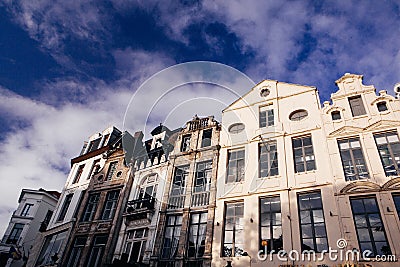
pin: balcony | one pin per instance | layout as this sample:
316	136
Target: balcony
176	202
197	123
200	199
139	208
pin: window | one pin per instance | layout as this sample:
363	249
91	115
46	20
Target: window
93	145
336	115
266	116
91	207
197	235
52	246
389	150
303	152
352	159
356	106
95	168
235	166
203	176
396	199
185	143
110	205
298	115
312	223
65	207
97	251
177	197
15	233
264	92
26	209
381	106
78	173
370	230
111	170
233	230
268	159
46	221
76	252
171	236
270	225
206	138
136	245
236	128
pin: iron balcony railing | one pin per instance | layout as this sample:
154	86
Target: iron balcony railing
140	204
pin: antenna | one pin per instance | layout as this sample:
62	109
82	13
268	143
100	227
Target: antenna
396	90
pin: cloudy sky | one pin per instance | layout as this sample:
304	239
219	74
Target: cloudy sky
68	69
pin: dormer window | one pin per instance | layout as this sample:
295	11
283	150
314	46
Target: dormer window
93	145
336	115
357	106
382	106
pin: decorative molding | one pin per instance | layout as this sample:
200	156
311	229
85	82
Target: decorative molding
346	130
382	125
360	187
393	184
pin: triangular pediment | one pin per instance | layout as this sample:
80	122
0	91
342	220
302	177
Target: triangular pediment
382	125
360	186
346	130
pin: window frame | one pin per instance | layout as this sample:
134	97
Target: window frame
76	251
111	170
112	198
237	173
26	209
15	233
198	224
78	174
354	164
357	109
336	115
271	225
368	223
233	230
270	160
304	155
185	144
65	207
312	222
92	202
392	155
176	234
381	104
206	138
266	116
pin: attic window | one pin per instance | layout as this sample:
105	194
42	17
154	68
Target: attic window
298	115
265	92
382	106
336	115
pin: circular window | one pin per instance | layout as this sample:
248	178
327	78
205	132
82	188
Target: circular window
298	115
236	128
119	174
100	178
265	92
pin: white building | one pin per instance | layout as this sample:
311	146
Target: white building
31	216
298	177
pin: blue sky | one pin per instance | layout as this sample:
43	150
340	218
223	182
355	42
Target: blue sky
69	68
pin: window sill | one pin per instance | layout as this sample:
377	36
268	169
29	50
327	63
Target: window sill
305	172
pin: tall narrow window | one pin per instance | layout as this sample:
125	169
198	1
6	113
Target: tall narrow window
65	207
95	168
357	106
206	138
111	170
136	245
185	146
303	152
312	222
235	166
97	251
51	247
197	235
15	233
26	209
270	225
266	116
370	230
93	145
389	150
233	230
268	159
352	159
203	176
177	198
91	207
171	236
76	252
78	173
110	205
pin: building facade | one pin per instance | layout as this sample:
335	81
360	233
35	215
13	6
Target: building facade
52	242
31	217
141	214
185	228
300	178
